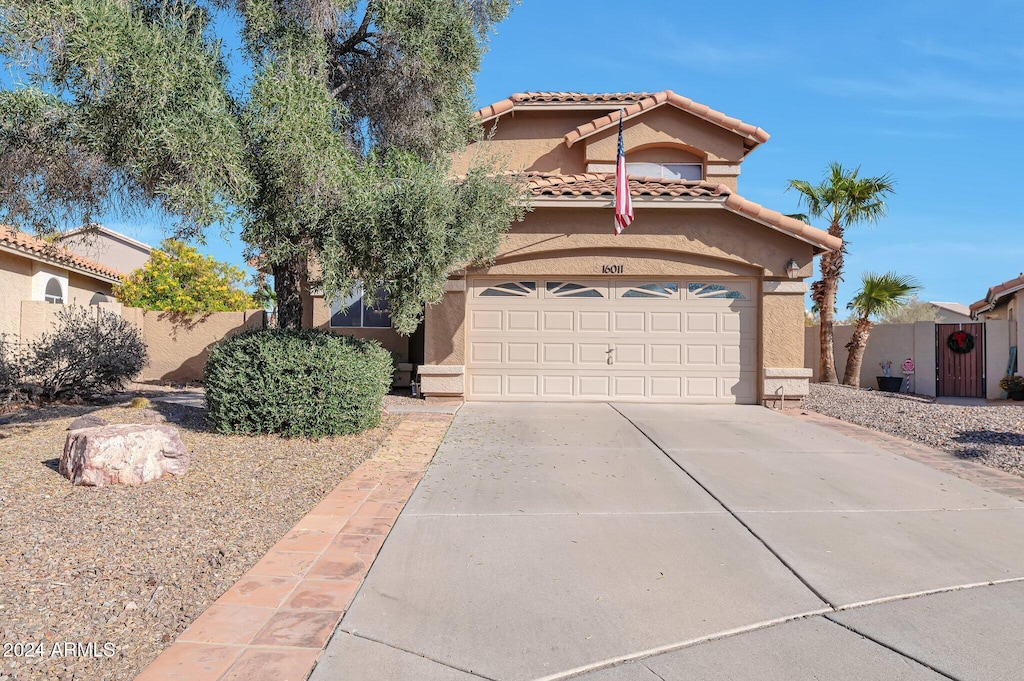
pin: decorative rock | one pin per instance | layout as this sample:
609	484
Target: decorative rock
123	455
87	421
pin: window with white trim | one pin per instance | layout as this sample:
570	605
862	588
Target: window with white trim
667	171
54	292
361	311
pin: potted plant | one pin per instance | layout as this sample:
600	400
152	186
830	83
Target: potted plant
1014	387
889	383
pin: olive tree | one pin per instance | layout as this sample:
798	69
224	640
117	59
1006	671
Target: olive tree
333	148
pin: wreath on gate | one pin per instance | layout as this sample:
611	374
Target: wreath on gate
960	342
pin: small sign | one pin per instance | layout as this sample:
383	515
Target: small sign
908	366
611	269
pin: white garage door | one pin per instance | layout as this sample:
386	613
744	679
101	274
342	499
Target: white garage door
571	339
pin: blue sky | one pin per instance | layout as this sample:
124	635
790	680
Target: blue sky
929	91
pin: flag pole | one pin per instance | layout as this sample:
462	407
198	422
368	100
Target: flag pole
623	199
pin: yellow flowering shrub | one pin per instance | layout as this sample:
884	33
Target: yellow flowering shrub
178	278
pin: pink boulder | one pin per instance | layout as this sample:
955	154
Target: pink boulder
127	454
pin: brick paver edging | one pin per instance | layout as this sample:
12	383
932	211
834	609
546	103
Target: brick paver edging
275	621
991	478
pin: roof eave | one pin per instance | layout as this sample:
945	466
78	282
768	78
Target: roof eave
751	140
675	202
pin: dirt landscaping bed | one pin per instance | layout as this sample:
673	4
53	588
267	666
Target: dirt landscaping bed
133	566
991	434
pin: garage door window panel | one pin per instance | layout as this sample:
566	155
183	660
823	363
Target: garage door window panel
568	289
664	291
704	290
510	289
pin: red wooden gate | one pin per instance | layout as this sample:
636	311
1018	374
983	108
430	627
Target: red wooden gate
959	374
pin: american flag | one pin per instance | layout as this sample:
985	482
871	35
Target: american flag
623	201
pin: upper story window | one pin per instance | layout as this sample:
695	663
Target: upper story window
54	292
667	171
361	311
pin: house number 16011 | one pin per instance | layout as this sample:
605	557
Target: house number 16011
611	269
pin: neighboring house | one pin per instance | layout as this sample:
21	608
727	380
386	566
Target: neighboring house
32	269
700	300
1004	302
951	313
107	247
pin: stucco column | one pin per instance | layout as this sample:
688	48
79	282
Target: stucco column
443	374
997	355
782	340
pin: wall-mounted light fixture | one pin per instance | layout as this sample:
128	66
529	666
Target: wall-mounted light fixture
792	269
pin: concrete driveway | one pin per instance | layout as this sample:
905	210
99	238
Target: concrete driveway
646	542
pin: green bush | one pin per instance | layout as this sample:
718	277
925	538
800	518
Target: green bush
295	383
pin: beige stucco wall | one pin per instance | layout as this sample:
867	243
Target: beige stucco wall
107	250
887	343
531	140
393	342
16	285
663	154
179	345
666	125
706	236
81	289
445	338
997	355
782	324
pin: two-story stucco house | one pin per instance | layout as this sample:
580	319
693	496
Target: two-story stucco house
700	300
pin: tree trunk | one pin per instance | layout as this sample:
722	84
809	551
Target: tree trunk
288	280
824	294
826	312
858	343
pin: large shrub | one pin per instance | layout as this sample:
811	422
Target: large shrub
90	350
295	383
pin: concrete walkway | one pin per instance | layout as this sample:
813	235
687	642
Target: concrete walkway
641	542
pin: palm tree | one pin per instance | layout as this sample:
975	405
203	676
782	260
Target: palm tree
845	199
881	294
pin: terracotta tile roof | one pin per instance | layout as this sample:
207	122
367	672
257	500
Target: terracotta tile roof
579	97
603	184
44	250
738	204
612	99
995	293
754	134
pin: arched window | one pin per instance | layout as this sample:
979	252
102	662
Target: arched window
54	293
100	297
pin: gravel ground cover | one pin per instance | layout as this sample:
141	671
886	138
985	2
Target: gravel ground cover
132	567
991	434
